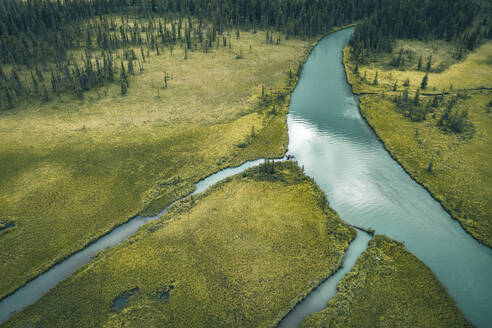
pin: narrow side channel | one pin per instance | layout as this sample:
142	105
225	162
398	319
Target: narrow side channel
318	299
36	288
367	188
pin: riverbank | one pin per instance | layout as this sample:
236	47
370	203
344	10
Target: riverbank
460	173
75	169
268	139
223	257
389	287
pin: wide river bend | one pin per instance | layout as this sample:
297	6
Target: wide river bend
363	184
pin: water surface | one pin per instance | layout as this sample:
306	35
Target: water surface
363	184
39	286
318	298
369	189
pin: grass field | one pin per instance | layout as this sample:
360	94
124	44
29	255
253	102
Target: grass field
389	287
461	173
473	72
74	169
241	254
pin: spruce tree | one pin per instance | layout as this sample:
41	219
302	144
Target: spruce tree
34	83
429	63
425	80
375	82
405	96
124	86
416	99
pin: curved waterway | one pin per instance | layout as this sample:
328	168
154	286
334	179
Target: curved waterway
364	185
39	286
369	189
318	298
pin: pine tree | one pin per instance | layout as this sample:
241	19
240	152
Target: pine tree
405	96
375	82
425	80
130	67
124	86
429	63
416	99
34	83
10	101
46	96
122	71
435	102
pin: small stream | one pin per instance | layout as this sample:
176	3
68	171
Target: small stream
363	184
369	189
39	286
318	298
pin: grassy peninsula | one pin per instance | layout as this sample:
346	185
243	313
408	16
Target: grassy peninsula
440	130
389	287
240	254
72	169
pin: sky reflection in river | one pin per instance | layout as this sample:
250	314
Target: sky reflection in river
368	188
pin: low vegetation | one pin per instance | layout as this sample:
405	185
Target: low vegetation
113	108
389	287
243	253
436	122
72	168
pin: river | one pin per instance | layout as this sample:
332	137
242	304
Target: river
368	188
363	184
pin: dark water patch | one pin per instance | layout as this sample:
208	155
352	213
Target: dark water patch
6	225
120	302
37	287
165	293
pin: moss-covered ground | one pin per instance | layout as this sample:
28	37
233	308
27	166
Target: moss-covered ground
389	287
72	169
242	254
460	175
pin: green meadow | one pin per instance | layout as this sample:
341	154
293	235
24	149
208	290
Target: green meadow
73	169
456	167
389	287
242	253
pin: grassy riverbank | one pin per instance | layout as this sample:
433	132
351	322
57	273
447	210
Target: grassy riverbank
453	163
73	169
389	287
241	254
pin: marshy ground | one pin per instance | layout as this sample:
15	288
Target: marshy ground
450	157
74	169
389	287
240	254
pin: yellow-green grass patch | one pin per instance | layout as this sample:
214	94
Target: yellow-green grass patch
241	254
73	169
389	287
461	172
461	163
474	72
